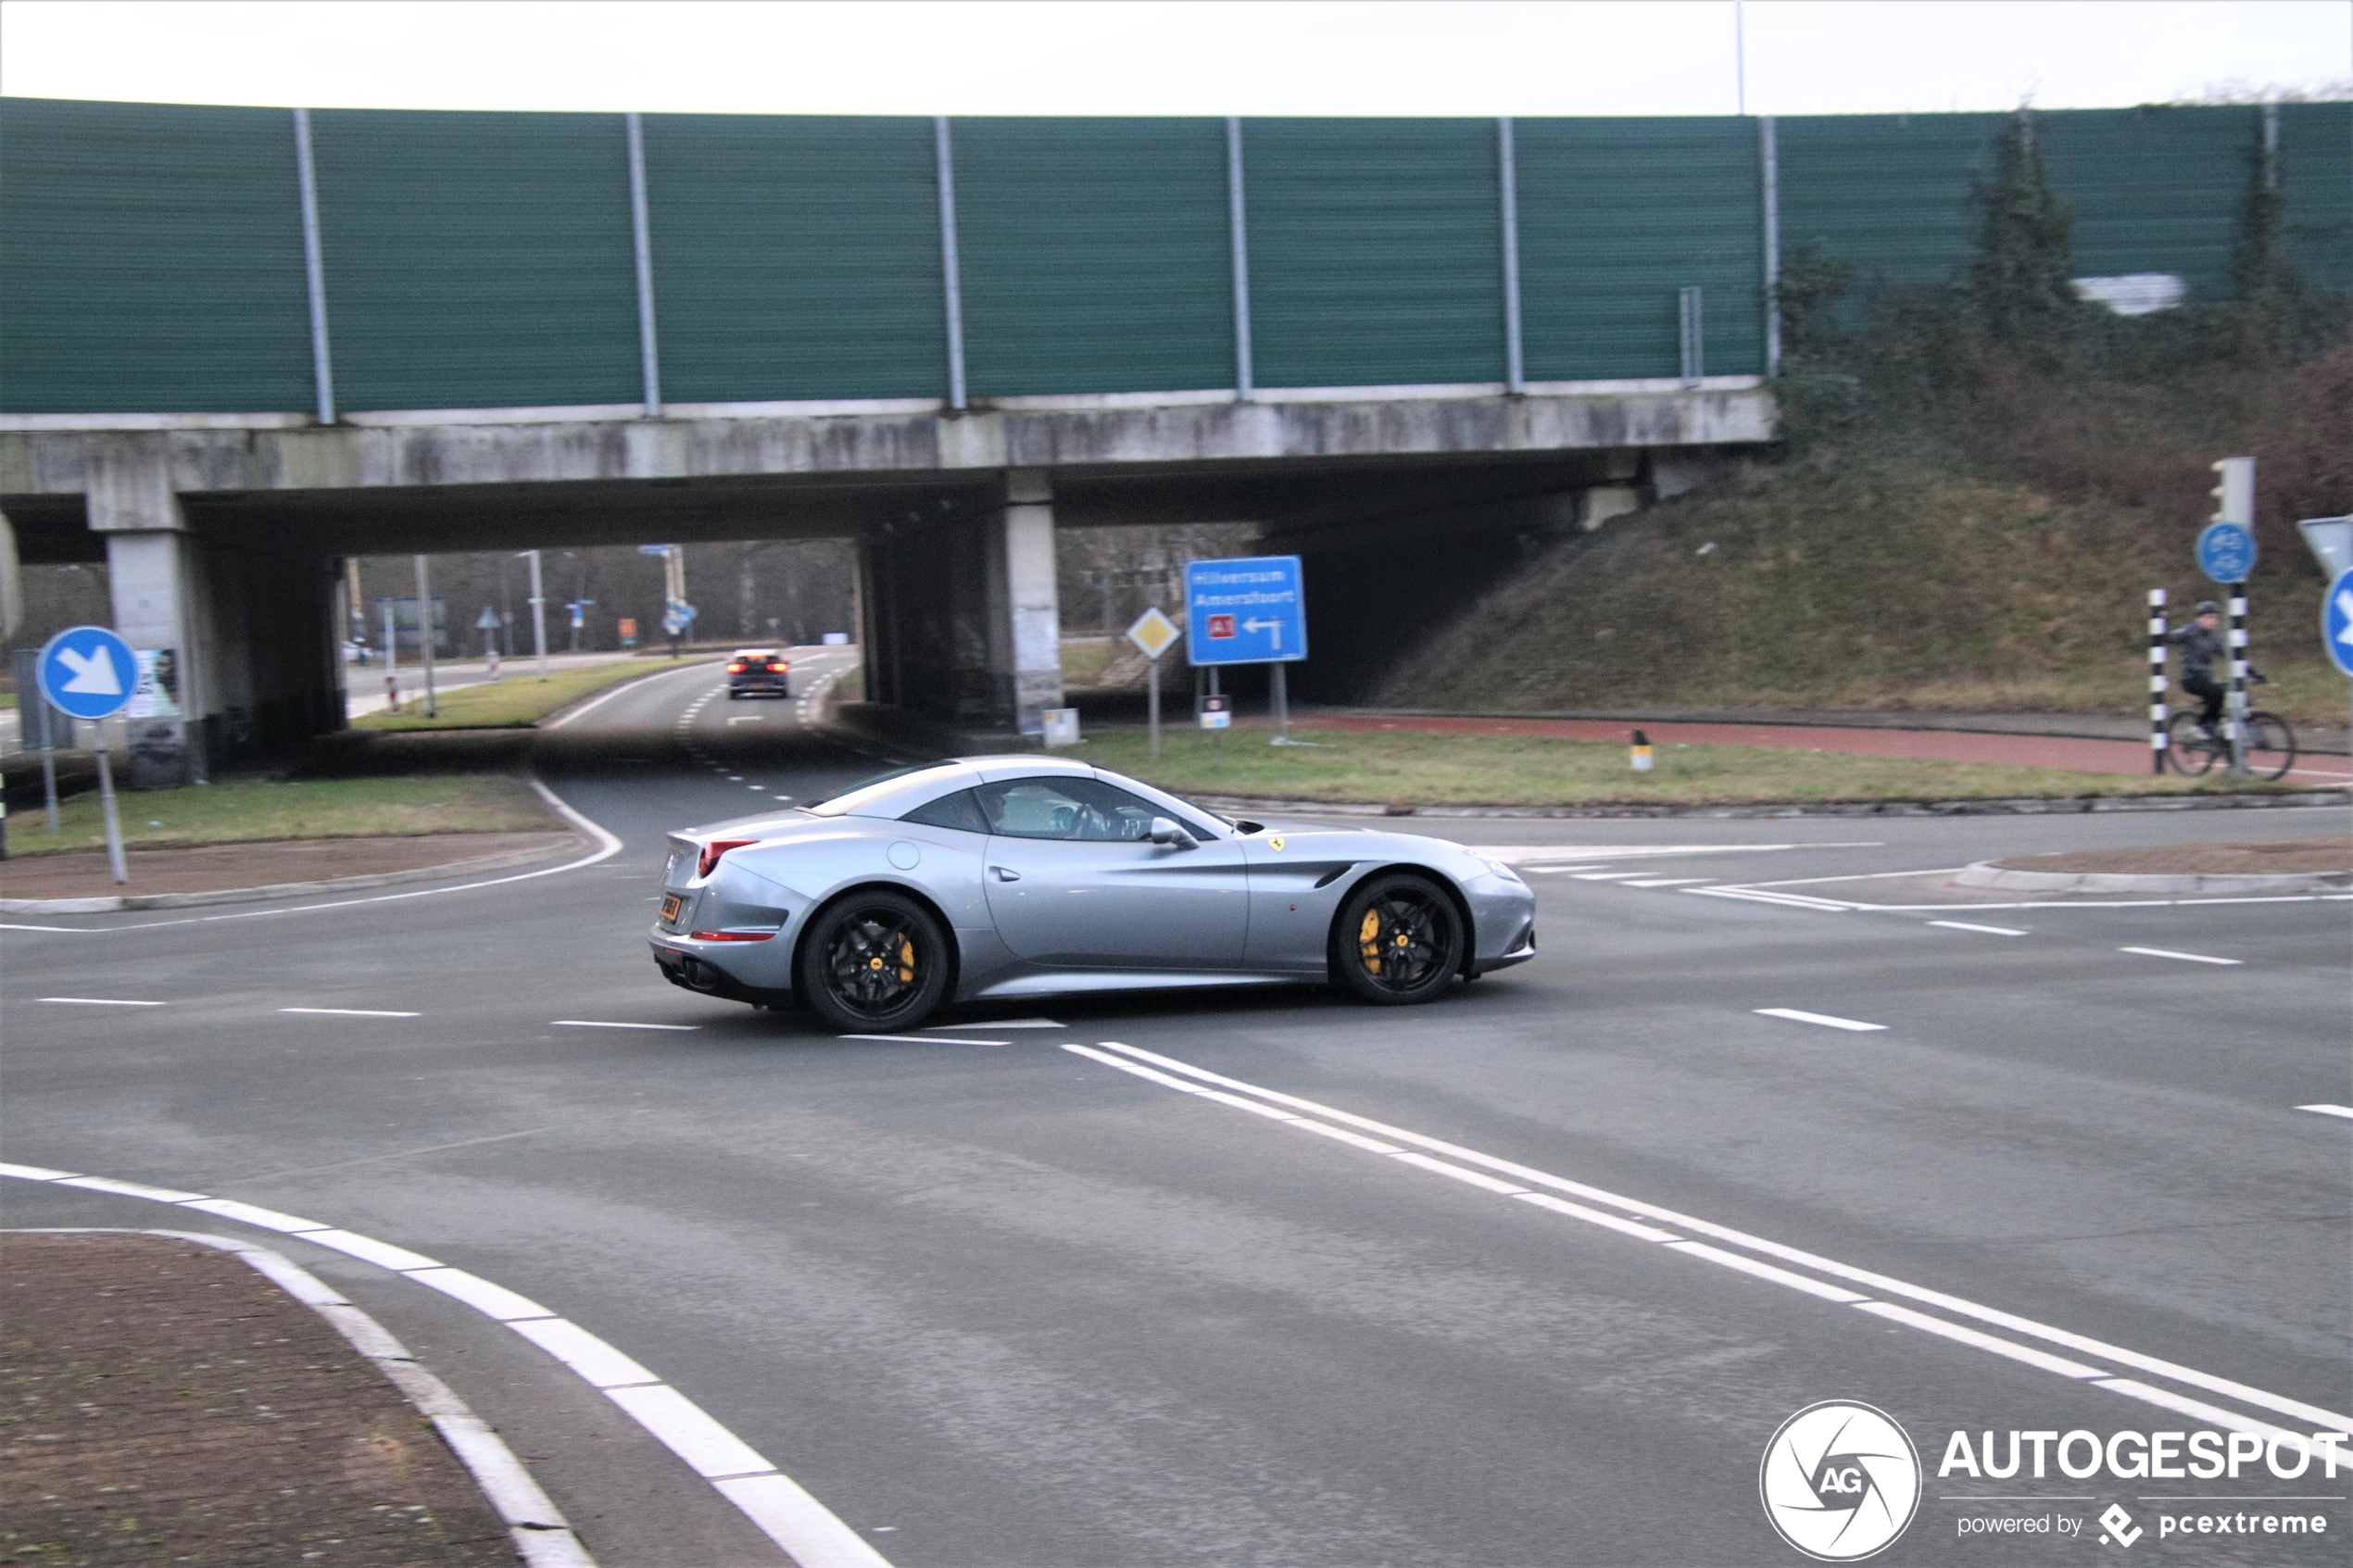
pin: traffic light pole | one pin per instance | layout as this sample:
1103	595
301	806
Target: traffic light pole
538	615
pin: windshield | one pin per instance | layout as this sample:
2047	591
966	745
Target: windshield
841	802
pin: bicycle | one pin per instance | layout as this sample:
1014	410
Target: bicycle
2270	744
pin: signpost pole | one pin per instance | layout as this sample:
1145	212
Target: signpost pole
114	820
1282	706
1155	706
391	658
2156	681
1216	736
48	753
538	615
424	634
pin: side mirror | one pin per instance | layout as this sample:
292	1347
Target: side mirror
1166	832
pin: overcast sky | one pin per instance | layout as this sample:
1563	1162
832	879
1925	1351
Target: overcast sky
1195	56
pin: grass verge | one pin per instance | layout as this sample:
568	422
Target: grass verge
521	699
1426	770
244	813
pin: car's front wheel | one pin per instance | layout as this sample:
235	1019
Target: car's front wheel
1398	940
875	961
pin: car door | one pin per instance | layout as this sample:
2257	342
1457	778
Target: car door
1074	881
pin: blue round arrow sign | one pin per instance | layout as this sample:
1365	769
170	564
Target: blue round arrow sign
88	671
2226	552
2336	621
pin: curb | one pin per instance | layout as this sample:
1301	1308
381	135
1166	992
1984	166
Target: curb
122	902
541	1533
2073	805
1986	873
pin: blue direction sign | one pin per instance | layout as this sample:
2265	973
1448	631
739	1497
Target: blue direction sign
88	673
2336	621
2226	552
1247	611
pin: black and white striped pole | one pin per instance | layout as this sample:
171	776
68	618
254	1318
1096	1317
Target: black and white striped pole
2238	679
2157	680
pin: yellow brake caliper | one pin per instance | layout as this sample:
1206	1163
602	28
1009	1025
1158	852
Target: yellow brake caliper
906	961
1368	940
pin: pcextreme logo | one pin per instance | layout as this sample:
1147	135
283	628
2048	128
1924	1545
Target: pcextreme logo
1840	1480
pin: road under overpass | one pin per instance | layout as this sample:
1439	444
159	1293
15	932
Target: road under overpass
223	533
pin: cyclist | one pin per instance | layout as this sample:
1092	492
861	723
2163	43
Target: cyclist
2201	644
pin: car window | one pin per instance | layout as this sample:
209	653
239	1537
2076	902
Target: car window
1081	809
867	792
959	810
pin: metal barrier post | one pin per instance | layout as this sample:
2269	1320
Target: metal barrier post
2157	680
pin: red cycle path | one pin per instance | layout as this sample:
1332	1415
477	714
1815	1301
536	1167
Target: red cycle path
1948	746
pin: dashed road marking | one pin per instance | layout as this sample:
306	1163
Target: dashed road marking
1007	1023
787	1514
922	1040
2185	957
1604	876
349	1012
1825	1020
94	1001
609	1024
1988	930
2345	1111
1669	881
1289	1109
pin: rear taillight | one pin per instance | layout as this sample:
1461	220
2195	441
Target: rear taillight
738	668
779	668
730	936
716	848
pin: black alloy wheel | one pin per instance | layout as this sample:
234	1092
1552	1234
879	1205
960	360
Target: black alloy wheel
1398	940
875	961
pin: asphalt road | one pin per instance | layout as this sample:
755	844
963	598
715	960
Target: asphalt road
1011	1303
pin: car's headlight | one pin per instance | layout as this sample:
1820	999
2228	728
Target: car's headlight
1497	868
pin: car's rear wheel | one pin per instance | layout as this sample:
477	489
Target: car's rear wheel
875	961
1398	940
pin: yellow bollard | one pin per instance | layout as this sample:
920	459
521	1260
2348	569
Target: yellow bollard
1639	754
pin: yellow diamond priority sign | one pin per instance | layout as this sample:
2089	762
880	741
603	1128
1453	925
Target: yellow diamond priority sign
1153	633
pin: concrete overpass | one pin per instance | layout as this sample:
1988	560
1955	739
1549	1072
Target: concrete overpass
222	535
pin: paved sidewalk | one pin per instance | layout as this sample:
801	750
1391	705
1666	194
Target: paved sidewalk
2075	753
166	1403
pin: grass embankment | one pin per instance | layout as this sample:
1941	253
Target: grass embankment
521	698
1874	578
244	813
1384	768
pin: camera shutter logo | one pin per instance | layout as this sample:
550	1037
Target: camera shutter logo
1840	1481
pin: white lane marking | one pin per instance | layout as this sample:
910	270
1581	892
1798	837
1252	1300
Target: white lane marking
710	1449
747	718
1988	930
1670	881
2345	1111
1837	1293
349	1012
602	1024
1006	1024
32	1172
602	697
368	1249
1825	1020
1604	876
2185	957
3	927
543	1537
1538	853
597	1363
1958	1305
922	1040
2027	1353
810	1533
1554	870
735	778
1854	876
2117	903
94	1001
252	1214
1784	900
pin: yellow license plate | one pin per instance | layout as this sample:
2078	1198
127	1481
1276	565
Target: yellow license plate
670	904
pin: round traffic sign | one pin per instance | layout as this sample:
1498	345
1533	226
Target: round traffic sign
2226	552
88	671
2336	621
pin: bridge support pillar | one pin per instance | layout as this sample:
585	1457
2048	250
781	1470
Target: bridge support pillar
205	601
962	620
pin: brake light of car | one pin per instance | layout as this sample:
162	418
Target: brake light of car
731	935
716	848
779	666
737	667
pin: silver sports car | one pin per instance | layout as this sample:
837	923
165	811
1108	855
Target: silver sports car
999	877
